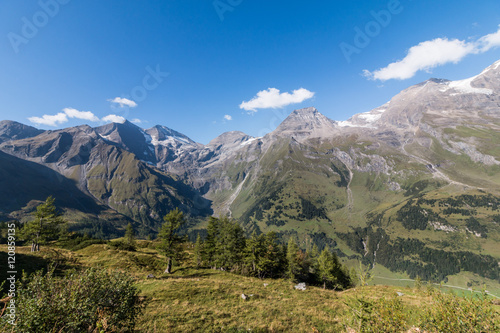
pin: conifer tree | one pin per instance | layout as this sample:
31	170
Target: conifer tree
271	262
230	244
198	251
293	258
328	268
253	251
130	236
313	260
45	226
210	245
170	242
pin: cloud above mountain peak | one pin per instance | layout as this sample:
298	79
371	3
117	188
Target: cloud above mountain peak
433	53
272	98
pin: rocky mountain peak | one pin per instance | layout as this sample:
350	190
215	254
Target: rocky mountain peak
129	137
160	134
229	139
306	123
11	130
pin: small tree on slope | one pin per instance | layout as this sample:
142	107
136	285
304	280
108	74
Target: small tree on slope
170	241
45	226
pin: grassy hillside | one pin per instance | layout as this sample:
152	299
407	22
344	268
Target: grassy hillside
204	300
305	191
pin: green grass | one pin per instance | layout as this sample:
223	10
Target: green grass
205	300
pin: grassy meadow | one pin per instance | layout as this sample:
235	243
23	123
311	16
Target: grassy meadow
204	300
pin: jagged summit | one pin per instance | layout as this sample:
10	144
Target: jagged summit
306	123
129	137
435	80
229	139
163	136
12	130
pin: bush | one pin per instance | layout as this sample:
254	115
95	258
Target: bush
382	315
88	301
448	313
77	242
121	245
452	313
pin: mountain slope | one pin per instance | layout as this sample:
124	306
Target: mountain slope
421	172
11	130
111	175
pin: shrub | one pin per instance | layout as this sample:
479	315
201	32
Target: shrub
88	301
77	242
452	313
382	315
124	246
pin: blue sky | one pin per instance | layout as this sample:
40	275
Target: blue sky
190	64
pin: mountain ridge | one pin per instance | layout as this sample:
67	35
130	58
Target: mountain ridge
310	176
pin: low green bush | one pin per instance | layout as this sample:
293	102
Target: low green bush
447	313
78	242
382	315
91	300
121	245
451	313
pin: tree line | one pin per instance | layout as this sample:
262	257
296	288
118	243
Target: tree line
227	248
416	258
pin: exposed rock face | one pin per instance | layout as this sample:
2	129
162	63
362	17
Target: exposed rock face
306	124
129	137
102	164
11	130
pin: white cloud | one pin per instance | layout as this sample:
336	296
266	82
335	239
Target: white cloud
488	42
74	113
62	117
137	121
228	117
273	99
113	118
123	102
49	120
430	54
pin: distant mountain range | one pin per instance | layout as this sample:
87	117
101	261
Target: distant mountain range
322	179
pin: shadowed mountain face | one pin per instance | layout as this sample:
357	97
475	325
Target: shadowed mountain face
107	172
22	181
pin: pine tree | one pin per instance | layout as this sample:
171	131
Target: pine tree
170	242
313	259
210	245
294	259
130	236
328	268
253	251
272	259
198	251
229	245
45	226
